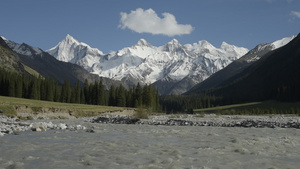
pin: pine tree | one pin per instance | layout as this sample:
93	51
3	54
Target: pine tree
101	94
86	92
82	96
121	96
138	96
65	96
18	87
77	92
57	92
25	85
43	91
112	96
33	89
50	89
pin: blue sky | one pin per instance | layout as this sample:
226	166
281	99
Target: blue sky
114	24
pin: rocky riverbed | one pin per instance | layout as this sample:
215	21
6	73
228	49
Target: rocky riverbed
15	125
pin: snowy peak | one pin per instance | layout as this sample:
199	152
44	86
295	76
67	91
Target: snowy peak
3	38
143	42
200	47
203	44
175	43
261	49
225	45
282	42
71	50
233	49
70	39
147	63
171	46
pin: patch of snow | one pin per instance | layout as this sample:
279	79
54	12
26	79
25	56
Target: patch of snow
282	42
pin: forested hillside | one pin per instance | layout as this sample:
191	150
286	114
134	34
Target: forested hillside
25	86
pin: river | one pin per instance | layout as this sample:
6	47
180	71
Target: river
144	146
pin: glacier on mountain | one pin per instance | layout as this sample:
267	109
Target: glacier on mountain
146	63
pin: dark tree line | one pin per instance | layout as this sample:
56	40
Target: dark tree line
186	103
40	88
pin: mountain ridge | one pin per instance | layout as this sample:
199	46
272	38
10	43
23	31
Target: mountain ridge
274	76
148	64
48	66
223	77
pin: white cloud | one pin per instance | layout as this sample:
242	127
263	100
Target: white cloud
147	21
295	13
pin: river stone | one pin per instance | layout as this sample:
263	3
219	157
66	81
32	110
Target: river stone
38	126
62	126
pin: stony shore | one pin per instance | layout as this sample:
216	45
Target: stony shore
272	121
15	125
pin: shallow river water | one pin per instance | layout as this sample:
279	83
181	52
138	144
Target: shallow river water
135	146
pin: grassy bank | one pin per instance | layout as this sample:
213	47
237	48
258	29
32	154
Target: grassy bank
12	106
267	107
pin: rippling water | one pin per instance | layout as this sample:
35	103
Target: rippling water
133	146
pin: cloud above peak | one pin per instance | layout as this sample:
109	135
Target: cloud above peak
296	14
147	21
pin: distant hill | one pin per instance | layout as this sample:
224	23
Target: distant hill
274	76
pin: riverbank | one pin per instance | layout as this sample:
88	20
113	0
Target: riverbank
271	121
64	121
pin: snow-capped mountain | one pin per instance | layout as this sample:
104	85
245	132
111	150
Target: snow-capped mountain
70	50
48	66
261	49
146	64
224	76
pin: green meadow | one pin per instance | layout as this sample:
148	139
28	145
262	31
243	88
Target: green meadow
253	108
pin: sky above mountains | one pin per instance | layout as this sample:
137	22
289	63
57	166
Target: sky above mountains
114	24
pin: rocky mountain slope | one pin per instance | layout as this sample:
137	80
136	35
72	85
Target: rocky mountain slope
173	68
224	76
274	76
48	66
9	60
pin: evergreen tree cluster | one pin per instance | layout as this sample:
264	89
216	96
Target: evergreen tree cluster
40	88
186	103
147	96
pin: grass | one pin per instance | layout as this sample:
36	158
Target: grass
227	107
266	107
141	113
31	71
8	110
8	106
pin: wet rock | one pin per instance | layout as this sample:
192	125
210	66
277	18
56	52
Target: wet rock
38	126
90	130
62	126
116	120
79	127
